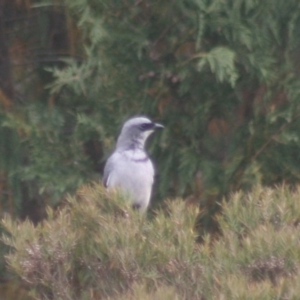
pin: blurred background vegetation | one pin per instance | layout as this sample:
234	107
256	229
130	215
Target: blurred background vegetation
222	76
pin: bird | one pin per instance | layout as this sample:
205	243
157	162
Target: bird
129	168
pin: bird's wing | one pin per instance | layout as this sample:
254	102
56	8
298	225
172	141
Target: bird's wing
107	171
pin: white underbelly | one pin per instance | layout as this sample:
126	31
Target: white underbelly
135	179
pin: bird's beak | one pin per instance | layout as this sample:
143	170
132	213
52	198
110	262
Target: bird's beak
158	126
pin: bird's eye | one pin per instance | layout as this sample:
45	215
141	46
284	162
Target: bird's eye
146	126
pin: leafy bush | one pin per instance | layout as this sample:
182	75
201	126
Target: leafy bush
223	76
97	247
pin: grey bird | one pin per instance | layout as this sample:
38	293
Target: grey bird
129	168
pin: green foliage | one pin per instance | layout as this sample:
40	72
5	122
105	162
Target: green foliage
55	164
221	62
222	76
97	247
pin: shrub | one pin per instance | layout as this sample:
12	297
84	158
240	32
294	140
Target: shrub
97	247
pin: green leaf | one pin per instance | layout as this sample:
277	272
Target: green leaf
221	61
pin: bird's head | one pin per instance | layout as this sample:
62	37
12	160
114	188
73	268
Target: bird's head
135	132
